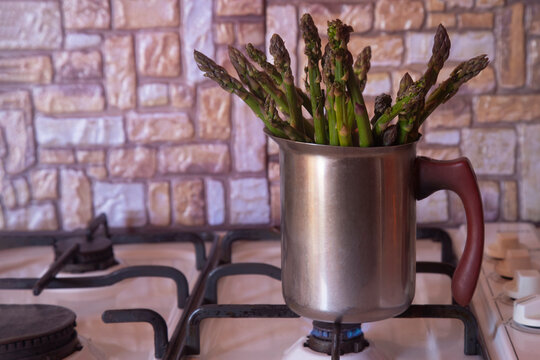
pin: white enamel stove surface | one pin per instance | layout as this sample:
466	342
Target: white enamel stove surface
493	308
133	341
270	339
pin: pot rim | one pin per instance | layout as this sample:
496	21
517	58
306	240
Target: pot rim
332	149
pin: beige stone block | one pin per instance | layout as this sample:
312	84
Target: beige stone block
136	14
181	96
435	5
188	202
239	7
156	127
30	25
439	153
153	94
386	50
159	203
456	113
73	65
489	3
434	208
529	172
196	158
273	171
279	18
197	20
29	69
510	59
50	156
490	199
158	54
98	172
491	151
451	4
476	20
139	162
250	33
9	196
493	108
123	203
21	190
509	206
224	33
378	83
86	14
120	79
533	19
43	183
442	137
74	41
79	131
32	218
56	99
275	204
359	16
76	199
249	201
465	45
533	63
214	106
18	137
90	156
434	19
249	141
392	15
215	202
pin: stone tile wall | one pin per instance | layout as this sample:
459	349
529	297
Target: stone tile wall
102	108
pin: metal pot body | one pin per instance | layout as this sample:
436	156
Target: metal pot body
348	223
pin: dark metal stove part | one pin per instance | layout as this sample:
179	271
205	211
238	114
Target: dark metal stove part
336	339
106	280
142	315
94	253
37	332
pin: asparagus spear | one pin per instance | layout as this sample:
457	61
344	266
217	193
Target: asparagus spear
382	102
245	71
362	66
390	135
328	78
274	119
260	58
222	78
403	119
448	88
313	78
282	61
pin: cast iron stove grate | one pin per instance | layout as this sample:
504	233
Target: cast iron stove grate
36	332
331	339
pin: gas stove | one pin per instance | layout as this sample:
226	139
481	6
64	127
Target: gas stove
229	305
91	295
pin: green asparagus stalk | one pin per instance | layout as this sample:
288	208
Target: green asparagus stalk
260	58
282	61
245	71
403	119
276	121
344	131
362	66
328	78
448	88
313	78
217	73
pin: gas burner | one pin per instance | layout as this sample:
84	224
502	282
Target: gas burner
322	337
34	332
88	253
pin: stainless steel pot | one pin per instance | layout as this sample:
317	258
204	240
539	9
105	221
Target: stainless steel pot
348	223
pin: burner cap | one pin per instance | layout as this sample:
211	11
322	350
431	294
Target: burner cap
96	254
352	338
33	332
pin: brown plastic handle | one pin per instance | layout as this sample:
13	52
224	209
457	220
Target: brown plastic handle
458	176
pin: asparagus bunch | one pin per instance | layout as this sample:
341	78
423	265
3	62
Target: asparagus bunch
334	84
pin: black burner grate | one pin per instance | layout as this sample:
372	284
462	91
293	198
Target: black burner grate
35	332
